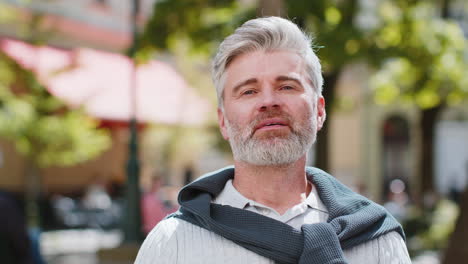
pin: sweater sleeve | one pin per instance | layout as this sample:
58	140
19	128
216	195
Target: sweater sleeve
387	249
160	246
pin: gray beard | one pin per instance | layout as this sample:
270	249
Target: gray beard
274	151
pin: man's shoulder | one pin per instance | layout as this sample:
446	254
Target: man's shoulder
168	227
162	245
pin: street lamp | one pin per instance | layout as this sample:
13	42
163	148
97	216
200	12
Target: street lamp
132	228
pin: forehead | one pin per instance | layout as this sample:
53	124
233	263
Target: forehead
264	65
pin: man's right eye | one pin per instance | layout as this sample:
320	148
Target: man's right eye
248	92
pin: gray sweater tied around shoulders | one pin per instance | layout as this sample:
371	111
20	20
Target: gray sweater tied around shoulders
353	219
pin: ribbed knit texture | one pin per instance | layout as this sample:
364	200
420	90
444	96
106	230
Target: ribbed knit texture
353	220
318	250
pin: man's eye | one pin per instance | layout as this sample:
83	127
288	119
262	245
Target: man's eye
287	87
248	92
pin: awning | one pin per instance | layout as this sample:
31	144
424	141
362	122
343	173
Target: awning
101	83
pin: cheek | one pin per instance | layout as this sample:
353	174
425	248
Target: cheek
307	109
238	115
309	115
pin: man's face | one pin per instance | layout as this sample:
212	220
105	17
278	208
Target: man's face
271	112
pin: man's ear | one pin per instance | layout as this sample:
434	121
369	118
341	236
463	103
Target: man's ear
222	125
321	114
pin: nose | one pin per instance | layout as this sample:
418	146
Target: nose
268	100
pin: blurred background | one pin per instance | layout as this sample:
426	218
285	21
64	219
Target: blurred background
107	109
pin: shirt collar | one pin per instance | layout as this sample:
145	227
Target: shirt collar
230	196
314	201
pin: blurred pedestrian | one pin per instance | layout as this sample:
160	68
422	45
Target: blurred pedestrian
269	207
153	206
15	244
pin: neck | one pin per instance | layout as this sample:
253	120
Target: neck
278	187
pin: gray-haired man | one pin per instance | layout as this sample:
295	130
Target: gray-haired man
269	207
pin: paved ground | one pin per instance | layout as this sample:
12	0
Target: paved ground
72	259
77	246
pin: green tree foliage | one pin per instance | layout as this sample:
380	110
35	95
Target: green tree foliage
335	28
42	127
428	59
203	23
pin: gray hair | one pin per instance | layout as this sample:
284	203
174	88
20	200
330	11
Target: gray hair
266	34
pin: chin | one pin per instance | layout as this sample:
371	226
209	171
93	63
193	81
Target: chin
272	135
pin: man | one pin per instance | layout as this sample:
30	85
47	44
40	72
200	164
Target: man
269	207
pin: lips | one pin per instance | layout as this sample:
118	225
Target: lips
272	123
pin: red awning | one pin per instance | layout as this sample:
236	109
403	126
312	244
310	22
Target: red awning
101	83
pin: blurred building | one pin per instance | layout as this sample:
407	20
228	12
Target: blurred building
100	24
87	39
371	145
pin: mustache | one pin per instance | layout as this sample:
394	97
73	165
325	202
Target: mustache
266	115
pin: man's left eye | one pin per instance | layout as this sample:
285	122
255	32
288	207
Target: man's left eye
287	87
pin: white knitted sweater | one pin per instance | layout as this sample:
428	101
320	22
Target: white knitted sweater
176	241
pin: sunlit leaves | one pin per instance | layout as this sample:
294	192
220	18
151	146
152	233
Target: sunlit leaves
429	58
389	37
388	81
427	97
40	126
6	78
7	13
455	98
68	139
395	77
334	25
389	12
387	93
352	46
332	16
15	117
202	22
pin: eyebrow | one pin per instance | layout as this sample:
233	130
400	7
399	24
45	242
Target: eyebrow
288	78
243	83
281	78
